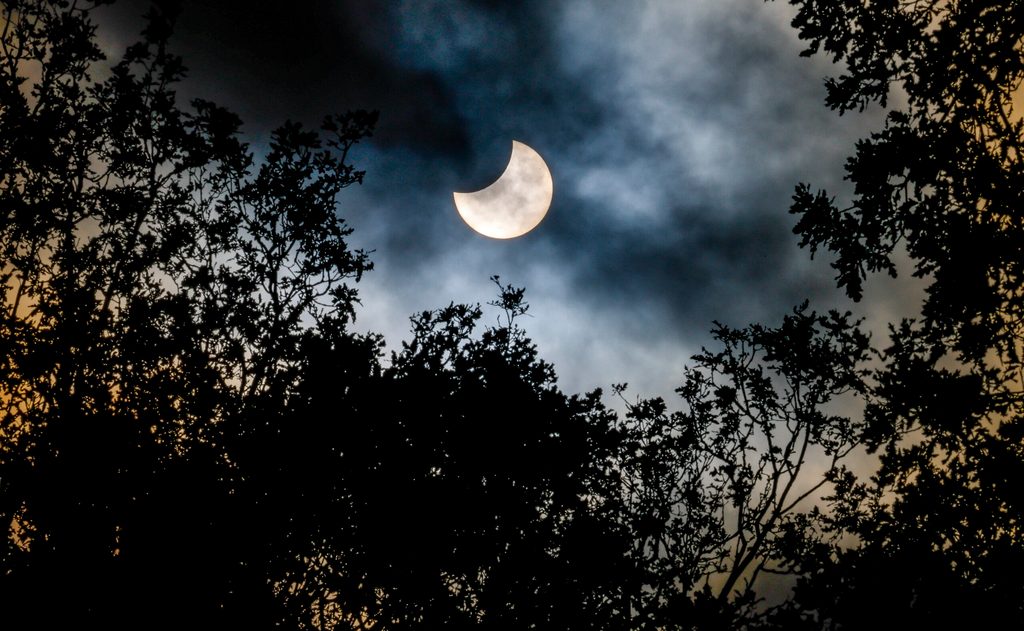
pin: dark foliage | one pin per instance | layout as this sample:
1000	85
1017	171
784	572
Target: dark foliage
468	490
158	291
192	436
938	525
719	495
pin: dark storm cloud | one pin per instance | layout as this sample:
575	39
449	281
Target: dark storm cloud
301	60
675	131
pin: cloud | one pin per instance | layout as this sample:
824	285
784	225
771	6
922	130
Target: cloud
675	132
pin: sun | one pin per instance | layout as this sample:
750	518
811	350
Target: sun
516	202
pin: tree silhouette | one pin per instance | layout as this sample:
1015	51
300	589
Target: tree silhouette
720	493
159	289
471	492
932	536
938	524
190	431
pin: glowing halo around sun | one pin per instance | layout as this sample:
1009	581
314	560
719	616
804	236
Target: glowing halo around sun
515	203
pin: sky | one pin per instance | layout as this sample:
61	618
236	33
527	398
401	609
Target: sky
675	131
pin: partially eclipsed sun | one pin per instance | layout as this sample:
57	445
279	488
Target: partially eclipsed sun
515	203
